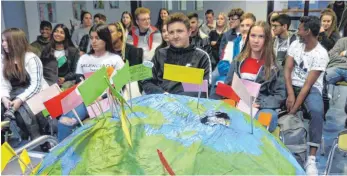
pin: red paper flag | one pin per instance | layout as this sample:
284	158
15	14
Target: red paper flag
226	91
53	105
164	163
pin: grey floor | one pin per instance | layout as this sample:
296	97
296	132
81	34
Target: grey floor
335	120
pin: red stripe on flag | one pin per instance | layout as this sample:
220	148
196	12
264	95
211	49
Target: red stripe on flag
53	105
226	91
164	163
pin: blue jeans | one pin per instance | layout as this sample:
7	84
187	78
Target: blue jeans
274	118
315	108
334	75
65	130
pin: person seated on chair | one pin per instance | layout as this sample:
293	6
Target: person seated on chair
101	54
337	67
283	38
328	33
21	76
60	58
180	52
304	71
44	39
144	35
128	53
257	63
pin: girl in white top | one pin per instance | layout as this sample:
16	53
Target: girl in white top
21	75
101	53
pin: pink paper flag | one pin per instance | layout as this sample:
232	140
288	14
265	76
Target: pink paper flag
242	106
195	87
35	103
94	109
241	90
71	101
87	75
252	87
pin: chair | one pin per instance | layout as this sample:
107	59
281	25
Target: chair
341	143
341	83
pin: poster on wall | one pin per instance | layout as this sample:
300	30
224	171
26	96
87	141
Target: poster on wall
114	4
47	11
77	7
98	4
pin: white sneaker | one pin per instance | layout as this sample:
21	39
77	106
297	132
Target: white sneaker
330	96
310	166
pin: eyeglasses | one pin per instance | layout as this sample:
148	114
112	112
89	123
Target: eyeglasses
145	19
275	25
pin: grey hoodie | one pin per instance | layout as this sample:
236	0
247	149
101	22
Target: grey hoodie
272	92
335	59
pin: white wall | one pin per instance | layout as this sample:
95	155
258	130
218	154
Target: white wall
64	14
64	11
2	21
258	8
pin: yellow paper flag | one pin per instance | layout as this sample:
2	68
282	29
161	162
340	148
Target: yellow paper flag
7	153
24	160
124	125
183	74
34	171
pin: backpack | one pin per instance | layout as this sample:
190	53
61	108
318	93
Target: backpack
294	136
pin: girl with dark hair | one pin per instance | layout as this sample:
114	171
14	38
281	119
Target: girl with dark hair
163	14
100	55
257	63
165	37
86	24
328	34
127	21
21	75
60	58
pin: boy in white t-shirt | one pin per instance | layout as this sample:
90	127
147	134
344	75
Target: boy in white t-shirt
304	71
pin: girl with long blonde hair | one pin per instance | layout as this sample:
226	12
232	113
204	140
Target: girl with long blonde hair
257	63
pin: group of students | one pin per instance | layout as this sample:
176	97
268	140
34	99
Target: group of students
290	67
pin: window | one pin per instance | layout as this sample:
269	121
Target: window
168	4
182	5
47	11
199	5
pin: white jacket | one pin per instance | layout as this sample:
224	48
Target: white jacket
34	68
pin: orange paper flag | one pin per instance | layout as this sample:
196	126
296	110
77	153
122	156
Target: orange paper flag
265	118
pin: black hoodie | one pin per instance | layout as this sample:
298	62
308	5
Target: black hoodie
190	56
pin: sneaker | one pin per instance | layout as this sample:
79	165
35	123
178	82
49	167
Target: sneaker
310	166
330	96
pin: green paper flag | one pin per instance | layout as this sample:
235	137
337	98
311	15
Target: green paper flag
122	77
140	72
114	92
61	61
93	87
